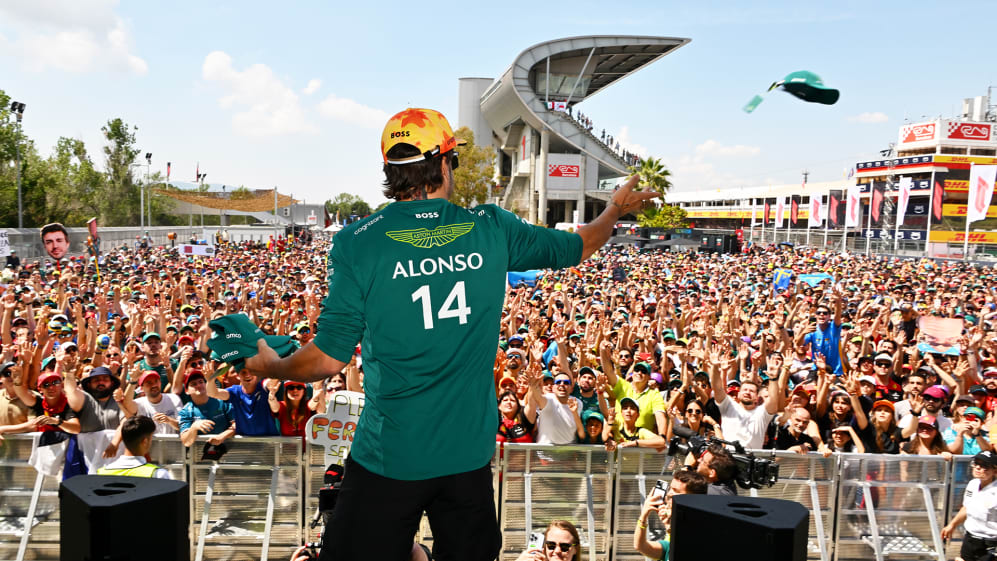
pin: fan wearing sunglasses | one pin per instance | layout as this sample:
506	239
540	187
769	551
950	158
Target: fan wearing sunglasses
560	543
558	414
50	411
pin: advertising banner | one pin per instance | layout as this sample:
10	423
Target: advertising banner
948	236
564	171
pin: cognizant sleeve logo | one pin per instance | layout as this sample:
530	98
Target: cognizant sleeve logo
426	238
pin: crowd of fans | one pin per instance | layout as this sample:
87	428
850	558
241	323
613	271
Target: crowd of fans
706	345
83	349
629	349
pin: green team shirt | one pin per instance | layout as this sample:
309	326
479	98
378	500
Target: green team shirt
422	283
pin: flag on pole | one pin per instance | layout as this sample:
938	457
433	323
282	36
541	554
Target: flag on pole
780	211
832	207
197	174
936	203
167	172
903	199
981	190
852	207
794	209
815	211
765	219
877	201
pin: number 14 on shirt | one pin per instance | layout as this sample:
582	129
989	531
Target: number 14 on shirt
461	311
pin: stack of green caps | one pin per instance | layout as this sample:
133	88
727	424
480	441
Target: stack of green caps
234	339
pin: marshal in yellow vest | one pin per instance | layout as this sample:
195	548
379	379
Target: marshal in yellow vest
144	470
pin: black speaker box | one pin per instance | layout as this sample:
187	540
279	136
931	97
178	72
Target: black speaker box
741	528
111	518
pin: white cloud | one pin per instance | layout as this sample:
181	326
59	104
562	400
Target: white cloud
313	85
70	35
623	137
869	117
699	170
265	105
350	111
713	148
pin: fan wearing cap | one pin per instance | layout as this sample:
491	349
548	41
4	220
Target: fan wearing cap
163	408
204	414
651	403
154	358
19	406
49	409
928	440
976	512
883	370
930	402
422	280
966	435
627	434
92	399
292	412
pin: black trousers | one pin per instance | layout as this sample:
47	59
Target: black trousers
377	517
975	549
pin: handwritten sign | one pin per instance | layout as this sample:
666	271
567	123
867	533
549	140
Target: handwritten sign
4	244
335	429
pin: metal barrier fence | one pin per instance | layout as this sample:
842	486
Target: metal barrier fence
251	504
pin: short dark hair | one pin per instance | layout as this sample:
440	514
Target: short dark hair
400	181
134	429
54	227
695	483
722	461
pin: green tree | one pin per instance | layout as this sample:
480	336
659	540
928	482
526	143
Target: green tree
120	206
475	173
77	186
653	175
13	141
667	216
347	204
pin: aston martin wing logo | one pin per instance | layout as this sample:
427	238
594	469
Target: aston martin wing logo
425	238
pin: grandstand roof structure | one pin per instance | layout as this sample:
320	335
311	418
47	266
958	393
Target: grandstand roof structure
567	70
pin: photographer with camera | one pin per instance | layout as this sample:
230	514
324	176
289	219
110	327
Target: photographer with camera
718	467
683	483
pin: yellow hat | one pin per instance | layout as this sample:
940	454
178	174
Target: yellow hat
425	129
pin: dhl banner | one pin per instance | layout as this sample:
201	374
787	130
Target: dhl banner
960	210
960	237
962	162
948	159
956	185
743	214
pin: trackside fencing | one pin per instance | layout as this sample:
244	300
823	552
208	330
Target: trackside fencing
258	500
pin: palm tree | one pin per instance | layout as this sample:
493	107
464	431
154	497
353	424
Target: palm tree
653	175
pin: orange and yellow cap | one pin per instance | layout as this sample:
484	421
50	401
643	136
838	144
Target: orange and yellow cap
426	129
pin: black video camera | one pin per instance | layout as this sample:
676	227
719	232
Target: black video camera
327	496
750	472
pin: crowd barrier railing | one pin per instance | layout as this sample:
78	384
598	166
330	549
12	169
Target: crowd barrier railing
258	500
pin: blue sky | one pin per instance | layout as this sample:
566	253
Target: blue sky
295	94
